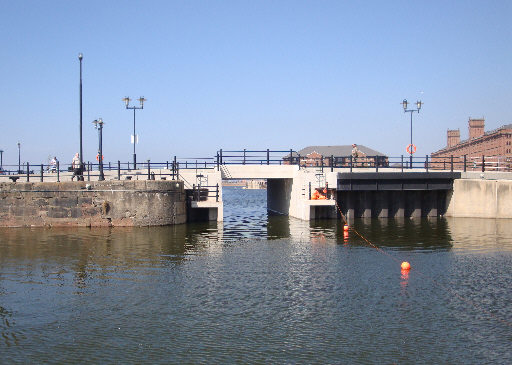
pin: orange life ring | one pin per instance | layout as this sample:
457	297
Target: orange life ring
98	157
411	149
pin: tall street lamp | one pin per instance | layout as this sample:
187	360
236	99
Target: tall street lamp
98	124
411	148
19	158
134	137
81	173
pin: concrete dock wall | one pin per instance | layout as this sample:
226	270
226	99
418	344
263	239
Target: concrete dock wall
98	203
480	199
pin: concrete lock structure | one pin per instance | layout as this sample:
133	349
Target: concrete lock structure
136	198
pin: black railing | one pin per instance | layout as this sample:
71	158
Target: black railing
204	192
171	169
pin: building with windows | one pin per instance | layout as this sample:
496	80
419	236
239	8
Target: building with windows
482	150
340	155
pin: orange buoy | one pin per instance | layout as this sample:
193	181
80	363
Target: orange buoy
345	227
405	265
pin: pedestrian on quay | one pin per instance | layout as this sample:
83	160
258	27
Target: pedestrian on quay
75	165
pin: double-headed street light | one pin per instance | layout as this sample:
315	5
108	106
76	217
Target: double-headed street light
134	137
411	148
98	124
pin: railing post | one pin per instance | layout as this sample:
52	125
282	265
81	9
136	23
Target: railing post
28	171
193	192
291	156
309	196
220	156
464	163
118	170
332	163
268	156
451	163
426	163
174	167
351	159
58	172
109	167
402	163
218	167
128	166
41	172
376	164
243	163
149	170
217	196
167	165
483	163
88	171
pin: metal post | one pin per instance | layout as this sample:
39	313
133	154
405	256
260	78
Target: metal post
167	165
268	157
332	163
88	171
451	163
351	163
221	156
483	163
58	171
402	163
100	152
109	167
118	170
309	197
149	171
243	163
217	196
193	192
322	162
28	172
218	167
376	164
464	163
41	172
426	163
411	140
134	142
81	161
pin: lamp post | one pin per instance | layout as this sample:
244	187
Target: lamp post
1	159
19	158
98	124
411	148
81	173
127	102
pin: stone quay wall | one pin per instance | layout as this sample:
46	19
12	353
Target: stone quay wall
92	203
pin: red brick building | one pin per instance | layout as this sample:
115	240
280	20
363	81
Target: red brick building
491	149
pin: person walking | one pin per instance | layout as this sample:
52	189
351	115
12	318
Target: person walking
75	165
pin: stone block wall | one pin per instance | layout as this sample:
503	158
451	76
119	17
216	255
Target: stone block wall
98	203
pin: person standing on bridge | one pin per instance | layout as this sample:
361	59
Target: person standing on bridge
355	153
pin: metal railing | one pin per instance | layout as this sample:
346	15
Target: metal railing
204	192
171	169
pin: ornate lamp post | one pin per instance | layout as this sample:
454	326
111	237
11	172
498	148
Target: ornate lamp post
98	124
411	148
134	138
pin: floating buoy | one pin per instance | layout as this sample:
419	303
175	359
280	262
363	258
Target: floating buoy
405	265
345	227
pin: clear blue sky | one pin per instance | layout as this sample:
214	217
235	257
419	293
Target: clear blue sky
249	74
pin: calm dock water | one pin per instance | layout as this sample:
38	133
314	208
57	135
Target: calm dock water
258	289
